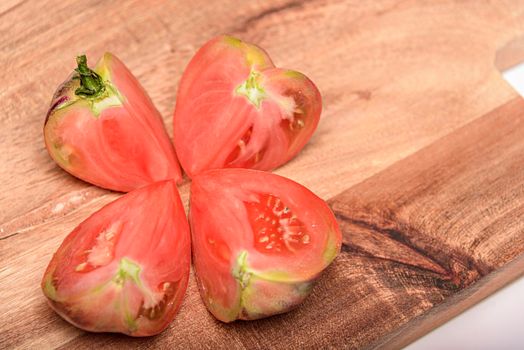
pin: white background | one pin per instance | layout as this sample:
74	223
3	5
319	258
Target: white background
498	321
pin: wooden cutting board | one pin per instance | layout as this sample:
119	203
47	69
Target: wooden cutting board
420	153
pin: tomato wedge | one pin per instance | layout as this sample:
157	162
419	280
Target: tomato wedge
259	242
104	129
126	267
236	110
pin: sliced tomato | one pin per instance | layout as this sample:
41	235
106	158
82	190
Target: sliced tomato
125	268
112	135
235	109
259	242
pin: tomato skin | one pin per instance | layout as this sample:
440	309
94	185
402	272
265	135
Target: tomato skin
116	141
235	109
125	268
237	279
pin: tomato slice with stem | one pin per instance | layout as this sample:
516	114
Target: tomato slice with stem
236	109
125	268
259	242
103	128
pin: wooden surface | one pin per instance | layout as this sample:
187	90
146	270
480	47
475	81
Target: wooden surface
420	151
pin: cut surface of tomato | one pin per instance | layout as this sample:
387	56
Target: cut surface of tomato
277	230
259	242
125	268
103	128
235	109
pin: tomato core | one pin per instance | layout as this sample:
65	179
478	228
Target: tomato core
155	312
252	90
296	121
102	249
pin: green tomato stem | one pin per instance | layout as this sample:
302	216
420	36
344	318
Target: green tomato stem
91	84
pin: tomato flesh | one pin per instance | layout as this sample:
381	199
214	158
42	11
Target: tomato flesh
115	141
259	242
235	109
102	250
124	269
277	230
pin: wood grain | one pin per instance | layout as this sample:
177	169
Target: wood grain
427	231
396	76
